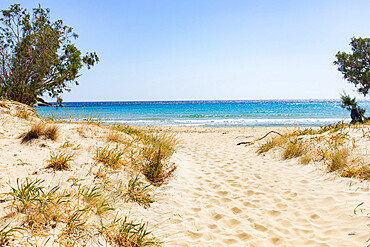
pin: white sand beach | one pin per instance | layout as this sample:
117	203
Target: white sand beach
222	194
226	195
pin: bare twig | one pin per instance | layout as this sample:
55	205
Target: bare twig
250	143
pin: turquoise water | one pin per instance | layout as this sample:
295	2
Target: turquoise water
303	113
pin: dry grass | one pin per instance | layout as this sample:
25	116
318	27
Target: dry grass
338	159
8	234
365	172
161	141
125	232
362	172
67	144
306	158
129	130
74	215
272	143
59	161
24	114
39	207
293	149
39	130
139	192
115	136
111	157
332	145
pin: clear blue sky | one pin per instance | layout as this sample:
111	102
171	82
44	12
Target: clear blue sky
211	49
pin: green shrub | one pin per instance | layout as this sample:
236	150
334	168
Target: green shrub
156	169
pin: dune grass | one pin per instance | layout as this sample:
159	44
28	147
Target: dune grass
42	209
115	136
8	233
75	215
293	149
39	130
329	144
272	143
111	157
139	192
337	159
59	161
156	167
125	232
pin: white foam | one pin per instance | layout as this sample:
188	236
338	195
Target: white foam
233	122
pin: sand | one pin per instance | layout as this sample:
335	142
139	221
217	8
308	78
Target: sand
222	194
226	195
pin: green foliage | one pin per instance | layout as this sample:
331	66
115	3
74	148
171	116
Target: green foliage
126	232
6	234
355	67
139	192
25	193
41	206
331	128
349	104
156	169
59	161
111	157
38	55
95	199
75	222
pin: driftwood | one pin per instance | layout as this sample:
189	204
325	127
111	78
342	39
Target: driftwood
250	143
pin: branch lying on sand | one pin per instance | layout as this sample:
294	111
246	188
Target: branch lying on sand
250	143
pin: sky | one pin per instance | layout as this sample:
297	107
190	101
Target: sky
210	49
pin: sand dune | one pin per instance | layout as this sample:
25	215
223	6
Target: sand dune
225	195
222	194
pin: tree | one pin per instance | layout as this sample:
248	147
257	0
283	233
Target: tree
356	66
37	56
357	112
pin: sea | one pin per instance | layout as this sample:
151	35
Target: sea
215	113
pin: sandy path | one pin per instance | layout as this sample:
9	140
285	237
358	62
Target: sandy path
225	195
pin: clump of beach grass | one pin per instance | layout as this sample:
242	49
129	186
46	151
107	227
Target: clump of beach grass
59	161
125	232
156	167
306	158
39	130
115	136
96	200
272	143
129	130
67	144
338	159
41	207
365	172
139	192
350	172
293	149
111	157
23	114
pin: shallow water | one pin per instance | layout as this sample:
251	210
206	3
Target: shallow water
206	113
